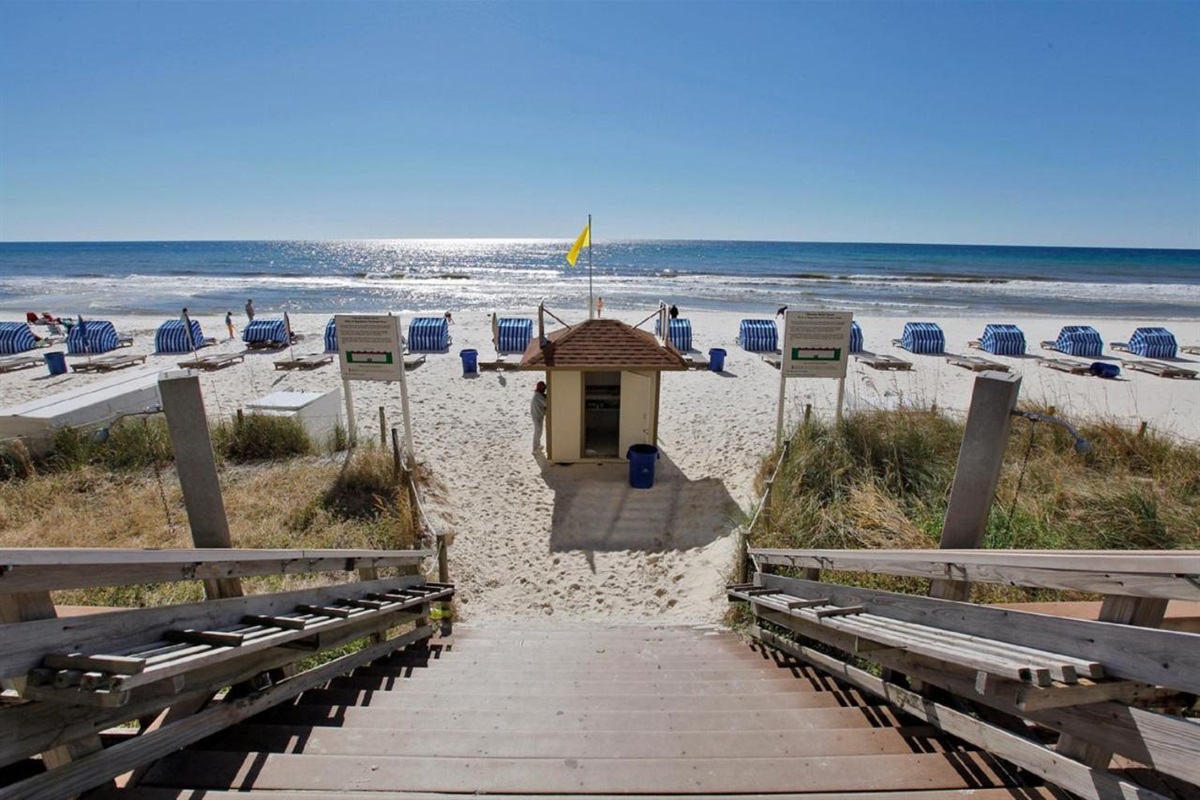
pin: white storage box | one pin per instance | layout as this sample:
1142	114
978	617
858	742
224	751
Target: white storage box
320	414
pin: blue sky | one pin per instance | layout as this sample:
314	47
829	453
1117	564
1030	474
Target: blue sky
1073	123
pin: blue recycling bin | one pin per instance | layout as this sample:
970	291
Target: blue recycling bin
56	363
641	465
1102	369
470	359
716	359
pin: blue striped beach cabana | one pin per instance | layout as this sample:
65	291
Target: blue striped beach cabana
101	337
923	337
1080	340
856	338
429	335
331	336
1153	343
172	338
1003	340
513	335
264	330
679	333
15	337
758	335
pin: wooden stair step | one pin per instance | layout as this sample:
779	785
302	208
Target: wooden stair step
503	722
163	793
595	675
596	744
420	683
274	771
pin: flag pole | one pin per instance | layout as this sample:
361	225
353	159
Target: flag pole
591	296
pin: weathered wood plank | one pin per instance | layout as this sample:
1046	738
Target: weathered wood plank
159	793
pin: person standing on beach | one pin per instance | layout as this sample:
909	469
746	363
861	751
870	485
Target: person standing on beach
229	323
674	311
250	310
537	410
599	306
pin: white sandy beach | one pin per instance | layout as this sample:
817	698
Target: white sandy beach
576	542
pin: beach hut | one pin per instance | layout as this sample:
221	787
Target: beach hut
172	337
1080	340
1153	343
331	336
264	332
758	335
679	333
101	337
923	337
511	335
856	338
1003	340
603	380
15	337
429	335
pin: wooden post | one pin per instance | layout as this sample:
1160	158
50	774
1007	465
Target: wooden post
382	427
978	471
807	413
396	454
1142	429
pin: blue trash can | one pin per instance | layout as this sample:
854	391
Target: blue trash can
470	359
1102	369
641	465
716	359
56	362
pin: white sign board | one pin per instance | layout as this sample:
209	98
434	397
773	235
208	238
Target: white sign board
369	347
816	344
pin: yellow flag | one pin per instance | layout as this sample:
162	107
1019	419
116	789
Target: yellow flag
583	241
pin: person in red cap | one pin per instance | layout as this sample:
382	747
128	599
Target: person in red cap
537	410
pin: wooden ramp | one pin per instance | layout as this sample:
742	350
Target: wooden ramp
630	711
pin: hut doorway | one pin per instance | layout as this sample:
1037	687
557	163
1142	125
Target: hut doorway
601	414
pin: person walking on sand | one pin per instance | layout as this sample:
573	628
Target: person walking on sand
782	312
250	310
229	323
537	410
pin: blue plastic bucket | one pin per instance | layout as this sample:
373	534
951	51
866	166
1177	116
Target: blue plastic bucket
56	363
470	361
641	465
716	359
1102	369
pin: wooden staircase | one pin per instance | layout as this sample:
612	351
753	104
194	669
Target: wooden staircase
600	711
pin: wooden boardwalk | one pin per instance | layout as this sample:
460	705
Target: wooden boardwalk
628	711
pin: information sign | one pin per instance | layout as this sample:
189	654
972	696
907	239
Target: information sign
369	347
816	344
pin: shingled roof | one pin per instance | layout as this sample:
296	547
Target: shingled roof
601	344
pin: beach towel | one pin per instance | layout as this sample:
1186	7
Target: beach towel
513	335
331	336
1003	340
1080	340
429	335
923	337
15	337
856	338
679	333
264	330
1153	343
172	338
758	335
100	334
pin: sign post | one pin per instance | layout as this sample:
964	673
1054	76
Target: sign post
370	348
816	344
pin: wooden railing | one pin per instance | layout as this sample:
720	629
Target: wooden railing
1105	686
67	679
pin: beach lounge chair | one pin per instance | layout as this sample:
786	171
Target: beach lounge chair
976	363
679	333
1066	365
108	363
14	363
882	362
856	338
1191	349
413	363
16	337
1001	340
1149	343
215	361
758	335
100	334
1077	340
429	335
331	344
310	361
1160	368
922	337
172	338
265	334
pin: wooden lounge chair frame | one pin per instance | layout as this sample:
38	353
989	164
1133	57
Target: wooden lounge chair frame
1191	349
1160	368
976	363
498	364
1050	344
310	361
267	345
774	359
108	363
413	363
13	363
1065	365
215	361
883	362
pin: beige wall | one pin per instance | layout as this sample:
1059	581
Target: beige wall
564	418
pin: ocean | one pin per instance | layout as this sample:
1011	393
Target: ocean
434	275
